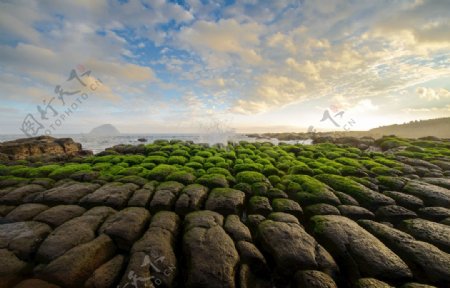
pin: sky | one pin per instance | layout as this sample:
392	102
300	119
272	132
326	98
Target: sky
171	66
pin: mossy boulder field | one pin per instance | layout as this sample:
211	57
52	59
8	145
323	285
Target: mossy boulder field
180	214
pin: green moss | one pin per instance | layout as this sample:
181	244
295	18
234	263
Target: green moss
213	180
215	159
180	152
219	170
133	159
250	177
156	159
132	179
160	172
177	160
67	170
182	176
391	183
248	167
300	169
386	171
274	179
194	165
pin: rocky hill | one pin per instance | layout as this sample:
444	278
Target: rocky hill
415	129
105	130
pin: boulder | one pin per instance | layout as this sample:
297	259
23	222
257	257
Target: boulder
431	232
394	214
355	212
126	226
35	283
434	213
25	212
68	193
321	209
107	274
313	279
236	229
292	248
114	195
225	201
15	196
371	283
12	269
259	205
431	195
250	255
23	238
358	252
287	206
60	214
191	198
74	267
428	263
408	201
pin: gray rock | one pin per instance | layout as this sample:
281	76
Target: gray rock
428	263
15	196
394	214
251	256
236	229
114	195
107	274
68	193
12	269
408	201
57	215
431	195
259	205
225	201
126	226
191	199
321	209
283	217
74	267
287	206
355	212
358	252
291	248
23	238
431	232
434	213
313	279
25	212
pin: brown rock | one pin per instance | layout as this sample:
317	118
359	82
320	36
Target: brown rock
106	275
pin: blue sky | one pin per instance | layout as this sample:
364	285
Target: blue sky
252	66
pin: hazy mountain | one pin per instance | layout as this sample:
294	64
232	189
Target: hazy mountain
105	130
439	127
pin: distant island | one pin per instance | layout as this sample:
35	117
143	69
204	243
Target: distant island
105	130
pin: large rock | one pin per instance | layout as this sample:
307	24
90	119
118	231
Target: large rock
16	195
68	193
250	255
358	252
126	226
408	201
355	212
313	279
114	195
60	214
41	146
25	212
236	229
107	274
23	238
225	201
12	269
428	263
191	199
141	197
394	213
74	267
210	255
431	232
292	248
431	195
35	283
74	232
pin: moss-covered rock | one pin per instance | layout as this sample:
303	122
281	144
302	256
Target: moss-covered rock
213	181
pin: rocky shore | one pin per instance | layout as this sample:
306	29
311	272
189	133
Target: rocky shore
339	213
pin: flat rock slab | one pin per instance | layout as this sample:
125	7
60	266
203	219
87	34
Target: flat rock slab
394	214
292	248
126	226
355	212
114	195
74	267
431	195
140	198
69	193
406	200
60	214
23	238
358	251
428	263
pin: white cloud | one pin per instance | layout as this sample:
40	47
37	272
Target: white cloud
432	94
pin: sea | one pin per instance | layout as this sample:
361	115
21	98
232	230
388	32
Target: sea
98	143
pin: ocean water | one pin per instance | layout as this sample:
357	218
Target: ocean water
100	143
